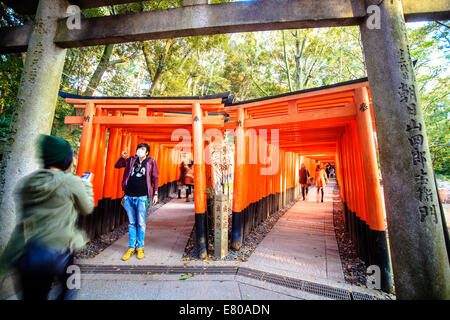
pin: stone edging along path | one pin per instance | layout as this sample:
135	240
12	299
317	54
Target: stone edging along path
302	285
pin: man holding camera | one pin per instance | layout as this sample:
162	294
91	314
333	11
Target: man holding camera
140	184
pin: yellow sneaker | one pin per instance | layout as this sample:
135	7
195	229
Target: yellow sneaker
128	254
140	253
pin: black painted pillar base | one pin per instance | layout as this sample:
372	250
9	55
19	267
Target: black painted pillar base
246	221
200	235
347	218
362	240
380	257
236	230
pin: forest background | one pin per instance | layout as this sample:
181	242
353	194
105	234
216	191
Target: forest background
249	65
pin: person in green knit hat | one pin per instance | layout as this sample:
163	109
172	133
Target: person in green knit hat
48	202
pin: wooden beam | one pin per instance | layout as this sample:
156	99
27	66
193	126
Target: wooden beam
15	39
30	6
214	19
211	19
134	121
165	103
308	144
414	10
303	116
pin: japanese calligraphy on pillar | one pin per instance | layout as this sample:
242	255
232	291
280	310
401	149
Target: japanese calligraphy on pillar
407	94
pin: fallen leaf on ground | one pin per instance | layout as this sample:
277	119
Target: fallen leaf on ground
186	276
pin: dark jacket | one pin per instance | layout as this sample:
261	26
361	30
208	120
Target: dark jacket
49	203
151	172
189	179
183	174
304	174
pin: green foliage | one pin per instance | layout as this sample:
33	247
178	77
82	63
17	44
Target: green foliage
430	46
10	73
250	65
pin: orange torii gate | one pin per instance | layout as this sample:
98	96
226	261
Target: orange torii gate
274	136
111	126
329	124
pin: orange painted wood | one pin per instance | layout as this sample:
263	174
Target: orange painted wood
305	95
92	159
100	164
303	116
166	102
359	174
199	164
374	196
86	137
239	169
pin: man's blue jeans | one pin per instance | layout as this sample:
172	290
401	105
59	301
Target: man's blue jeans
136	208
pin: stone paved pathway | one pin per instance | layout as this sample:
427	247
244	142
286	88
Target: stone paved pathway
301	247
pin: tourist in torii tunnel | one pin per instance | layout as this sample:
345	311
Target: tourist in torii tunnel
140	184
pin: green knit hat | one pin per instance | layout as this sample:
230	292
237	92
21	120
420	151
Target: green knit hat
53	150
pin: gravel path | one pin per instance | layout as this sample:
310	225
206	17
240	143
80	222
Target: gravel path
354	268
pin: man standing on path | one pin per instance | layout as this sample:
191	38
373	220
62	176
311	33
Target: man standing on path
140	184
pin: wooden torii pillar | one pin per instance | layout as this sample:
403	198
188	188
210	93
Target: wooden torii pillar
379	252
240	183
199	180
419	254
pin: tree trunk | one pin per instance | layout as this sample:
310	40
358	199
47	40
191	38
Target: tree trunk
298	56
99	71
34	110
160	65
286	62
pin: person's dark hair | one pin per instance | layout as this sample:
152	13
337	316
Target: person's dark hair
63	165
190	165
140	145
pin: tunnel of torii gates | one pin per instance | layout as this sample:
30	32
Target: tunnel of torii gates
273	137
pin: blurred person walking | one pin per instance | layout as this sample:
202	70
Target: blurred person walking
180	182
189	181
304	181
320	180
48	202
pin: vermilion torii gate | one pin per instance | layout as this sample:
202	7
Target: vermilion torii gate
111	126
419	256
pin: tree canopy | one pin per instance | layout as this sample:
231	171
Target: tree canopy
250	65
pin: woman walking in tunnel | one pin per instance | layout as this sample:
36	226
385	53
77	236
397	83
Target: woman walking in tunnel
189	181
320	180
181	182
304	181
